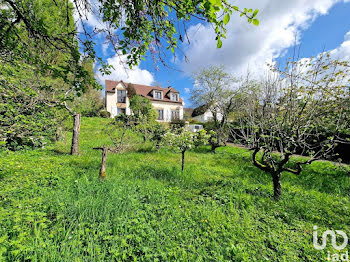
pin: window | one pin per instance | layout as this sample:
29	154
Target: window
175	115
121	96
160	114
120	111
174	97
158	94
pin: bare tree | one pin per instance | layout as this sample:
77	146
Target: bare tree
213	90
302	109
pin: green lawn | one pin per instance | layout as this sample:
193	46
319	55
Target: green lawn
54	208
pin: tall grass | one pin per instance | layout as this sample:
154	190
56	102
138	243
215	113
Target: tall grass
54	208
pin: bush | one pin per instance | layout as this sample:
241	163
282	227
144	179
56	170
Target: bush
104	114
195	122
176	124
218	136
159	130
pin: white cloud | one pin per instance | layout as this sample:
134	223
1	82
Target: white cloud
342	52
248	46
105	47
89	15
187	90
347	35
122	72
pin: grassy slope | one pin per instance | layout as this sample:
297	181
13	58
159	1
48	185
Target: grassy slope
53	208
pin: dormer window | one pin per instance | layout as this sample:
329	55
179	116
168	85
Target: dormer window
158	94
174	97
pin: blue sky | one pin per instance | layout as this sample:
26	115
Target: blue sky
317	25
326	32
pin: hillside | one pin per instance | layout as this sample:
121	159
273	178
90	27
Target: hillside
54	208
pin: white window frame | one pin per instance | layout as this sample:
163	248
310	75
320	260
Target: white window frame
174	97
162	110
155	92
121	99
175	114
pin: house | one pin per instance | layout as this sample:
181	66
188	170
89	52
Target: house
201	114
166	101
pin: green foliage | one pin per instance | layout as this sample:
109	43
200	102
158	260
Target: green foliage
218	135
53	208
120	132
214	92
130	90
177	125
184	140
133	28
42	35
147	26
41	66
24	122
90	102
144	115
142	108
104	114
157	134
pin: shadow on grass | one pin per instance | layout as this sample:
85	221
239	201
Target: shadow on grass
203	150
169	174
146	149
322	177
59	152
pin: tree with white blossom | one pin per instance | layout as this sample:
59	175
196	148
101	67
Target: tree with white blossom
184	141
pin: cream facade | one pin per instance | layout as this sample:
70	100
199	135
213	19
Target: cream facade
169	110
117	102
207	116
115	106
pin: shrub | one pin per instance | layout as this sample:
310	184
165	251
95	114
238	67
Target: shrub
218	135
176	124
104	114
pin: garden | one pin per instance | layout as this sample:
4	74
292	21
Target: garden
54	207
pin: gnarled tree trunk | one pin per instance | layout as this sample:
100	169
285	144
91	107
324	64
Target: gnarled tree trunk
76	132
275	173
277	189
213	147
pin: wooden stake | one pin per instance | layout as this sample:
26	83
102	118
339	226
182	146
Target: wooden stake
103	162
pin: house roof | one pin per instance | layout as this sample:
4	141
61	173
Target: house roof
193	112
171	89
143	90
188	111
200	110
